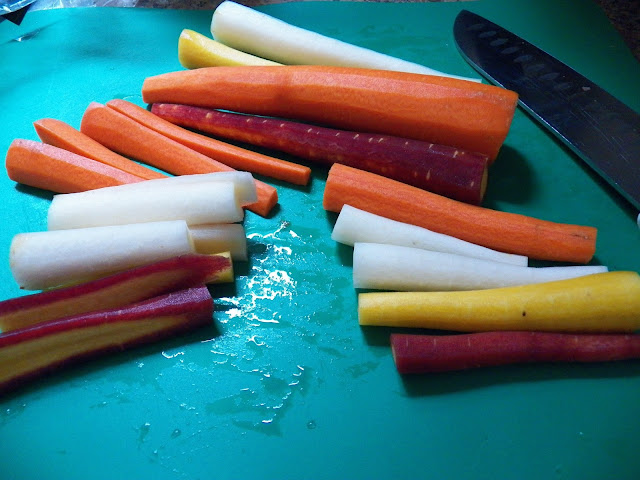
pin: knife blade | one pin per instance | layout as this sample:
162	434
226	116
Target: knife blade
596	126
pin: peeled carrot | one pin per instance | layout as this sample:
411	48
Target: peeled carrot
444	353
441	169
132	139
442	110
503	231
599	303
231	155
51	168
61	135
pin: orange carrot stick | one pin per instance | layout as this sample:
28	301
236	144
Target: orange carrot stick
61	135
442	110
51	168
507	232
132	139
231	155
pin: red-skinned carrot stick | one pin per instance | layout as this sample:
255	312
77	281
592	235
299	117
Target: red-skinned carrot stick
51	168
447	111
117	290
62	135
39	349
231	155
443	353
132	139
503	231
448	171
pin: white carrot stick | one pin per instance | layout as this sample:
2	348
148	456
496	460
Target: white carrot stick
392	267
216	238
42	260
244	182
251	31
355	225
197	203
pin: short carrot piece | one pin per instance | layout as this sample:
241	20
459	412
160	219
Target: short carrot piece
415	354
132	139
51	168
448	171
436	109
502	231
231	155
62	135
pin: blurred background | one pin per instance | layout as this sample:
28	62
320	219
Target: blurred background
623	14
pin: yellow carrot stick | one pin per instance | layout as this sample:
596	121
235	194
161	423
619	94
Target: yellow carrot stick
197	51
603	302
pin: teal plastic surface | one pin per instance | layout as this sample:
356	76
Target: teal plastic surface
285	384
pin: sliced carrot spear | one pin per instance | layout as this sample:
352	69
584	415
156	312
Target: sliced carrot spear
51	168
448	171
503	231
442	110
132	139
445	353
61	135
231	155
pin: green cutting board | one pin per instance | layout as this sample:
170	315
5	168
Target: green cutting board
285	384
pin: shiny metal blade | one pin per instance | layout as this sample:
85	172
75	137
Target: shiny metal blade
600	129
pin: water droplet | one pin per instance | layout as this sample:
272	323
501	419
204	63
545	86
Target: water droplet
171	355
28	35
176	433
311	424
143	431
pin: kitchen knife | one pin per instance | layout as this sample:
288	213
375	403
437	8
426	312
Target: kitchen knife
597	127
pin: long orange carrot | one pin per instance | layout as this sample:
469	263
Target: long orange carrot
132	139
231	155
447	111
507	232
61	135
51	168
